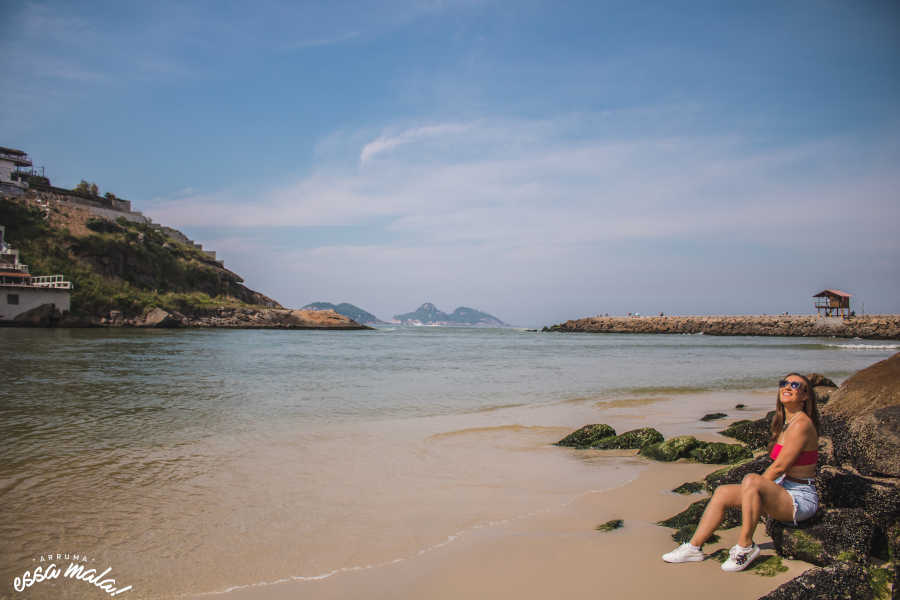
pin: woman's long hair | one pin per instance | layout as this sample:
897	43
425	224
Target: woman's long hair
809	407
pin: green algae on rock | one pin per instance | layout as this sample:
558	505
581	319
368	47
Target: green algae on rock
720	453
587	435
689	487
610	525
634	439
671	449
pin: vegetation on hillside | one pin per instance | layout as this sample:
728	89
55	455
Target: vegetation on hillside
122	265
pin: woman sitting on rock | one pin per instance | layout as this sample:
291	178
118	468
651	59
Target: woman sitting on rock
785	491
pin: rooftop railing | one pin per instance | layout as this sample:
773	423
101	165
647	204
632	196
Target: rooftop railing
51	281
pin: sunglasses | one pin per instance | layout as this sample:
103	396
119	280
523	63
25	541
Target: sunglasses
795	385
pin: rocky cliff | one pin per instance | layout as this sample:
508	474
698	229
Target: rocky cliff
127	273
869	326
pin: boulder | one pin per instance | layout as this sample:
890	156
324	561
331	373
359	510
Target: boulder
878	497
823	394
713	416
720	453
737	473
671	449
690	517
833	534
587	435
841	581
863	419
44	315
160	318
819	380
636	438
753	433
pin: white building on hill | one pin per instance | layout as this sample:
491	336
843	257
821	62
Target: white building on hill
20	292
10	160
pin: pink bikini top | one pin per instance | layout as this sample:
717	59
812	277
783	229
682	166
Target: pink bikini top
810	457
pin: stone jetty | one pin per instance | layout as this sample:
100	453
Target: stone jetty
868	326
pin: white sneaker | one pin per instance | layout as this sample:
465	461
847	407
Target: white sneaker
740	558
683	553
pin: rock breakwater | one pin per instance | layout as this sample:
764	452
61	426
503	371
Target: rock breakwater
225	317
868	326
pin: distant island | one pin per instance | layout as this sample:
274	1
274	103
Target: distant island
348	310
429	314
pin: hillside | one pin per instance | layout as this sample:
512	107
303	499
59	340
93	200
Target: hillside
122	270
429	314
348	310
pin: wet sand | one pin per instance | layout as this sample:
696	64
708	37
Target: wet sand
558	553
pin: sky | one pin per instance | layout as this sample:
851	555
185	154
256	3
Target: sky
540	161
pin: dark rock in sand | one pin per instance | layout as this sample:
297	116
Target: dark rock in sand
713	416
690	487
753	433
833	534
720	453
671	449
636	438
842	581
587	435
610	525
684	534
740	406
737	473
690	516
863	419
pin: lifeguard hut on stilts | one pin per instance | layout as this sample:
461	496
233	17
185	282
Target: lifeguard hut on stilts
833	303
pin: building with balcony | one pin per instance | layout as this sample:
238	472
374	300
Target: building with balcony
20	291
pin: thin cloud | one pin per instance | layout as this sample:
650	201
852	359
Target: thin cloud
385	143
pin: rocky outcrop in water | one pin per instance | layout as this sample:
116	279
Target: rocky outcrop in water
868	326
231	318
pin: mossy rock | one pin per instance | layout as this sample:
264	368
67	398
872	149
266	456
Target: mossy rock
610	525
832	535
690	487
690	516
671	449
720	453
685	534
753	433
587	435
634	439
713	416
765	566
736	473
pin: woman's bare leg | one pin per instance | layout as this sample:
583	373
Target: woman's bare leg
723	497
758	495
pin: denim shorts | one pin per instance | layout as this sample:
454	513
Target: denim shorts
804	495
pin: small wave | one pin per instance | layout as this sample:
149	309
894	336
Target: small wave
497	407
496	429
864	346
628	402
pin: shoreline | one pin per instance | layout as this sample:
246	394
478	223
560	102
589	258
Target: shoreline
557	553
874	327
557	550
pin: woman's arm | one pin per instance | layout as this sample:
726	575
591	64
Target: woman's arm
795	439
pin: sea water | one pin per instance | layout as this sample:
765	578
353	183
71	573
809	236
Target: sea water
194	461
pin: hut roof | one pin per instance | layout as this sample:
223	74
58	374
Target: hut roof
838	293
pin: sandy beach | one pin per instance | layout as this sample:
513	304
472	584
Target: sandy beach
558	554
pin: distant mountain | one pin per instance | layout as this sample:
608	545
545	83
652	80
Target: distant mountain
348	310
429	314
